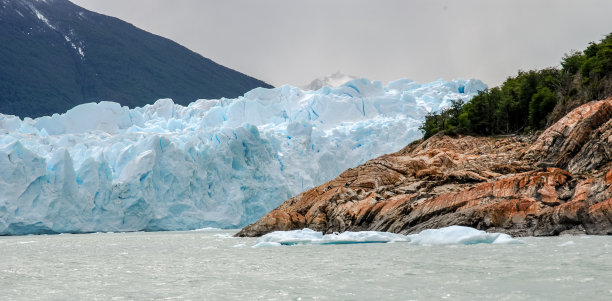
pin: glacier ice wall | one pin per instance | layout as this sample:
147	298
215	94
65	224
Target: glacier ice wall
215	163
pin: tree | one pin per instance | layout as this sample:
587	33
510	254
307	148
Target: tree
572	62
541	104
526	101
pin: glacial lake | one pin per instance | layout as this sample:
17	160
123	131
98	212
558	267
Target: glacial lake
212	265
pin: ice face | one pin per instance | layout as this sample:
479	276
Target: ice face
453	235
215	163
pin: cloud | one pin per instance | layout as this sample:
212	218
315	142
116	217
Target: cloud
292	42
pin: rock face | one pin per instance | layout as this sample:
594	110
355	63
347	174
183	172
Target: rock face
559	182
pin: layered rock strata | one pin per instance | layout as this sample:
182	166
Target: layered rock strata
558	182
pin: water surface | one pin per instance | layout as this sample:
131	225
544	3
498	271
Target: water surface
211	265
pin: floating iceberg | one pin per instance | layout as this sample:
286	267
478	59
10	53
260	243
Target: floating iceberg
308	236
459	235
219	163
453	235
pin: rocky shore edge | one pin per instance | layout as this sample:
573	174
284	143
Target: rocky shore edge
559	182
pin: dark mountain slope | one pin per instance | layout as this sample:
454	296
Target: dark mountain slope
55	55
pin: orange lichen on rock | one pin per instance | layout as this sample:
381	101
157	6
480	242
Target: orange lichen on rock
609	177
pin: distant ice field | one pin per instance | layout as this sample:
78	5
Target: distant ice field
215	163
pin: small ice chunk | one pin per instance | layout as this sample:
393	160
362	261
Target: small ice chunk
264	244
459	235
349	237
207	229
304	236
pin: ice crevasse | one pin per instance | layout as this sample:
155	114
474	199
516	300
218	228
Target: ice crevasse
215	163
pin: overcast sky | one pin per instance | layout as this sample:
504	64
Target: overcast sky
295	41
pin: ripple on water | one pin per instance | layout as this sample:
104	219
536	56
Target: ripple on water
215	266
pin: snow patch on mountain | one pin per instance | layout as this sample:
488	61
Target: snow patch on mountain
42	17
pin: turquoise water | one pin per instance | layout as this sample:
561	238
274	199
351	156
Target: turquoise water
211	265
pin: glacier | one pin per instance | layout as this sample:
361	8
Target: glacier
221	163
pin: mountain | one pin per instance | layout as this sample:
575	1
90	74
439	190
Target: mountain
333	80
215	163
56	55
555	183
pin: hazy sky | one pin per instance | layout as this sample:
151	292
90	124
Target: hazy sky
295	41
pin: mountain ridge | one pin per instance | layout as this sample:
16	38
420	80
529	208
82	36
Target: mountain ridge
58	55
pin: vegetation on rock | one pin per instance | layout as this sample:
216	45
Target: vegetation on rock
531	100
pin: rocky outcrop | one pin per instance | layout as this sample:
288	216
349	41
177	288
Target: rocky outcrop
559	182
576	132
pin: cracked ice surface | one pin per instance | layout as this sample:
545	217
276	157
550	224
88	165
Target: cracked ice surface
215	163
